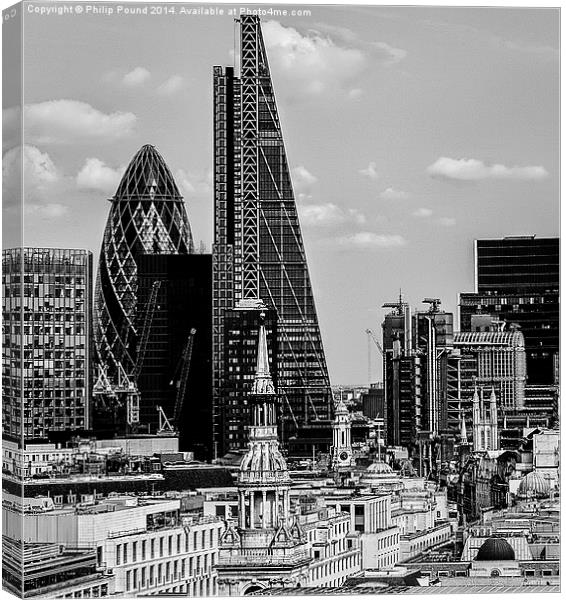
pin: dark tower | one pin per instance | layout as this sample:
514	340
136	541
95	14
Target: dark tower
147	217
258	248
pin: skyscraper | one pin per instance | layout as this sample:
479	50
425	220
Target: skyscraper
47	339
177	370
517	280
147	216
258	249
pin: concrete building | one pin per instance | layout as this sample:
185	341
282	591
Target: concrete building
147	544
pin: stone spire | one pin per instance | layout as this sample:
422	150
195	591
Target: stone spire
263	383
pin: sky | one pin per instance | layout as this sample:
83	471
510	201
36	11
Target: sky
410	132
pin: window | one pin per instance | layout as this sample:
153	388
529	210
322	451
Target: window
125	554
118	554
134	552
152	548
143	544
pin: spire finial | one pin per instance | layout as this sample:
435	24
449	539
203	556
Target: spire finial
263	384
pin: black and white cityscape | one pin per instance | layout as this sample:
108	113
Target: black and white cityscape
265	377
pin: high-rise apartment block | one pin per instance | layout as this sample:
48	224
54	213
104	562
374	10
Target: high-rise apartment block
258	253
46	345
517	281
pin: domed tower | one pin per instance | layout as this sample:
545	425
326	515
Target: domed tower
268	542
341	452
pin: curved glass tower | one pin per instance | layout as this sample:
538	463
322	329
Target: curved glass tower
147	216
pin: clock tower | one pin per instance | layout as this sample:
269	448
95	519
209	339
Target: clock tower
341	452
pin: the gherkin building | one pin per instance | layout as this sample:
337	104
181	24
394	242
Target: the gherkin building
147	216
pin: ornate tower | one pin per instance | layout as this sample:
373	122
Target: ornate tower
484	419
341	453
147	216
258	252
267	546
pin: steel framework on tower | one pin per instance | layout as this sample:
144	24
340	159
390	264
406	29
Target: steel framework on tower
258	247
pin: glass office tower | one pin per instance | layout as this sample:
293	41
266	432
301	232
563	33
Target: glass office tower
517	281
46	342
147	216
258	248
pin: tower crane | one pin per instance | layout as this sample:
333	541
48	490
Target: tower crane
372	336
124	390
184	376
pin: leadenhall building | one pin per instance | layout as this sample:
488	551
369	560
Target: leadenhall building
259	261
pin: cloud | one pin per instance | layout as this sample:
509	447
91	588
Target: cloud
380	51
51	210
355	93
393	194
471	169
391	55
447	221
302	178
368	239
312	64
96	175
68	122
422	213
191	184
173	85
328	215
370	171
136	77
41	180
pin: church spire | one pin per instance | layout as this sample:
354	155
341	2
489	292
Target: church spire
263	383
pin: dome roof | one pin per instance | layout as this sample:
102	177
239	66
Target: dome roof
533	485
495	549
378	467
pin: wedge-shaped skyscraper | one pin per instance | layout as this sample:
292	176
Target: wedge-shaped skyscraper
147	216
259	258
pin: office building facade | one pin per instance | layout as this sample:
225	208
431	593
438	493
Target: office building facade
47	338
258	251
177	367
517	281
147	216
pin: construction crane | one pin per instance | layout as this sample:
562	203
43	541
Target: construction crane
185	364
371	336
146	327
124	391
434	304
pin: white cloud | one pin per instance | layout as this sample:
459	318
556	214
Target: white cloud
471	169
422	213
370	171
312	63
173	85
355	93
50	210
136	77
302	178
447	221
368	239
68	122
328	215
41	180
96	175
391	55
393	194
191	184
381	51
